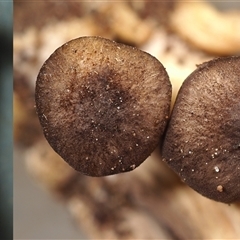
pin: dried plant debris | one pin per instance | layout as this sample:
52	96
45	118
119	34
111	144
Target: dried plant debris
207	28
118	206
40	13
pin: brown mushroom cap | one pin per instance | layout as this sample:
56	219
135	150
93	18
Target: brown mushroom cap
103	106
202	142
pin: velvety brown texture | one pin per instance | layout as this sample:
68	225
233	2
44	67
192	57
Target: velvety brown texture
202	142
103	106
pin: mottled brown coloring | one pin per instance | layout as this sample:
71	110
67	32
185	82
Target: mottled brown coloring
202	142
102	105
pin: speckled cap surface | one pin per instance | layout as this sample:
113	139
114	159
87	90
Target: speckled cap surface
103	105
202	142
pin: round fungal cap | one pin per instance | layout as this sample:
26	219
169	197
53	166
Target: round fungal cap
202	142
103	106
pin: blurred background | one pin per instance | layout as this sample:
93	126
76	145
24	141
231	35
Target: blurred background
38	29
37	214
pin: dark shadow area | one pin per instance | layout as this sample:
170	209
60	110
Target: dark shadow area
6	156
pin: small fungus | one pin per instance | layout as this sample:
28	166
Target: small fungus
211	92
92	94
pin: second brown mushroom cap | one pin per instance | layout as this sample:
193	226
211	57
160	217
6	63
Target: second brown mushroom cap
202	142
